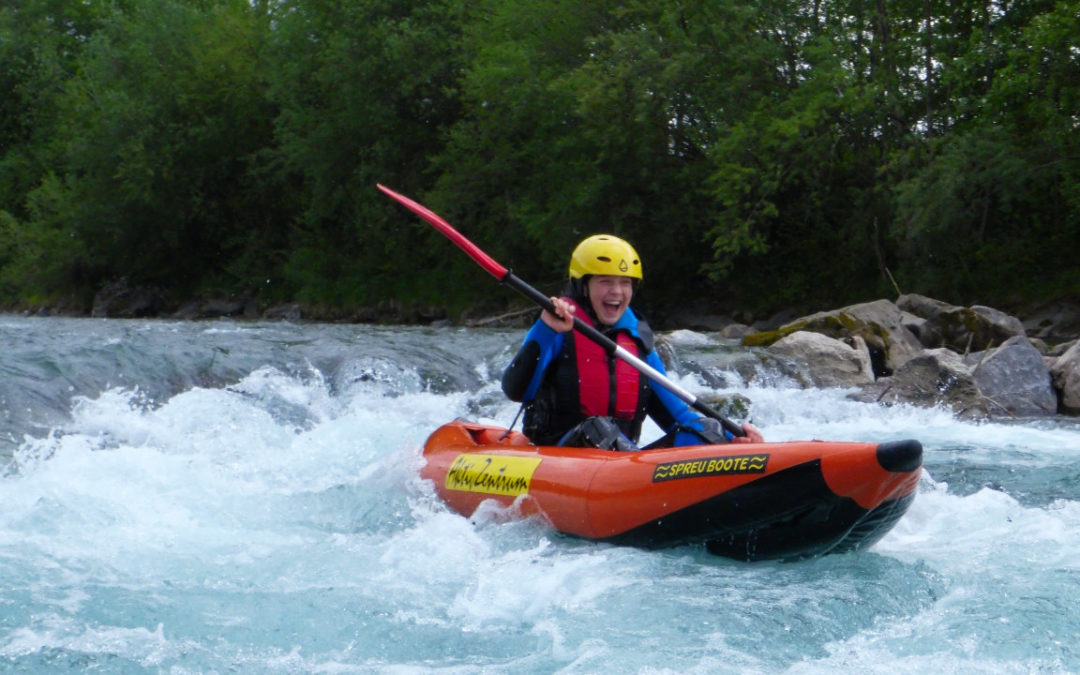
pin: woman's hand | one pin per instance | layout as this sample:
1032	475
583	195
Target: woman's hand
753	435
563	319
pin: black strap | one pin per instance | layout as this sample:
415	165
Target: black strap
510	428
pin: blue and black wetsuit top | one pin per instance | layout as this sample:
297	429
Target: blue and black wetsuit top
564	378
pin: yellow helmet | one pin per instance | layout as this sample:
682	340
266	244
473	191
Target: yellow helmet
607	255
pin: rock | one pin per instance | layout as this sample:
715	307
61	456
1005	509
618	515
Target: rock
916	325
777	320
189	311
879	323
1004	371
961	329
1055	322
217	308
828	362
121	299
936	377
291	313
667	353
732	406
1001	326
1066	373
922	306
736	331
1060	349
1015	378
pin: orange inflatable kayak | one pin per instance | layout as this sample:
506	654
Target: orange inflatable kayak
752	501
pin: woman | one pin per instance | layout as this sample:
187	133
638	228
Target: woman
574	392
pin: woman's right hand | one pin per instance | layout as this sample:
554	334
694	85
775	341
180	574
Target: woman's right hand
563	319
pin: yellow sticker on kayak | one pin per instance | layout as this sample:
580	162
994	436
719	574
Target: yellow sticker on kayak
711	466
491	474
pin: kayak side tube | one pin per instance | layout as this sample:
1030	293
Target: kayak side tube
746	501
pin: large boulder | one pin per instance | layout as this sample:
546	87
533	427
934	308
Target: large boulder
936	377
1059	349
828	362
1016	379
290	312
880	324
735	331
1054	323
1066	373
961	329
124	300
218	308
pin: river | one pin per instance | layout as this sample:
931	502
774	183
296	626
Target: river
244	497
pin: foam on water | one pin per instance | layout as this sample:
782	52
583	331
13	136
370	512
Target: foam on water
277	523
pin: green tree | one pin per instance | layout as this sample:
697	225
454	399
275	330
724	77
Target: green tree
517	173
995	198
590	117
654	103
800	213
366	91
40	43
156	143
814	148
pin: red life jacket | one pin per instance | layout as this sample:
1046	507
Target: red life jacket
608	386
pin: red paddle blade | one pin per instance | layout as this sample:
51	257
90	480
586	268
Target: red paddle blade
483	259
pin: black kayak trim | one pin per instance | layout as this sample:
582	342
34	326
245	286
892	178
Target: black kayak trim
788	515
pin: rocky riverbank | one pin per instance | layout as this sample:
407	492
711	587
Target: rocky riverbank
978	361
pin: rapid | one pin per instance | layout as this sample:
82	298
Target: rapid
196	497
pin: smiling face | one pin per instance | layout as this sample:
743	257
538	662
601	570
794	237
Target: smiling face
610	296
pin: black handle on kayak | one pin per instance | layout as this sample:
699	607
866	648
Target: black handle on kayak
509	278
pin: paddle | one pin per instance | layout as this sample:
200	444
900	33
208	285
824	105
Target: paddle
507	277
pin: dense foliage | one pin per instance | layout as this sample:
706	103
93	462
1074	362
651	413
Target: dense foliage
759	154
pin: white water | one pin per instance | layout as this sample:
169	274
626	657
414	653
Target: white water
245	497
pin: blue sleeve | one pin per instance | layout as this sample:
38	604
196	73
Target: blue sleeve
523	376
682	415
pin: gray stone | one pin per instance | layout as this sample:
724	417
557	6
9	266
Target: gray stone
936	377
122	299
829	362
735	331
1066	374
879	323
1014	377
1055	322
961	329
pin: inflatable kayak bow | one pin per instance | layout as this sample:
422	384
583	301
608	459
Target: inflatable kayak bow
748	501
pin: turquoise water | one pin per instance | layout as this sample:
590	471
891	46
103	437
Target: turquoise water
226	497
